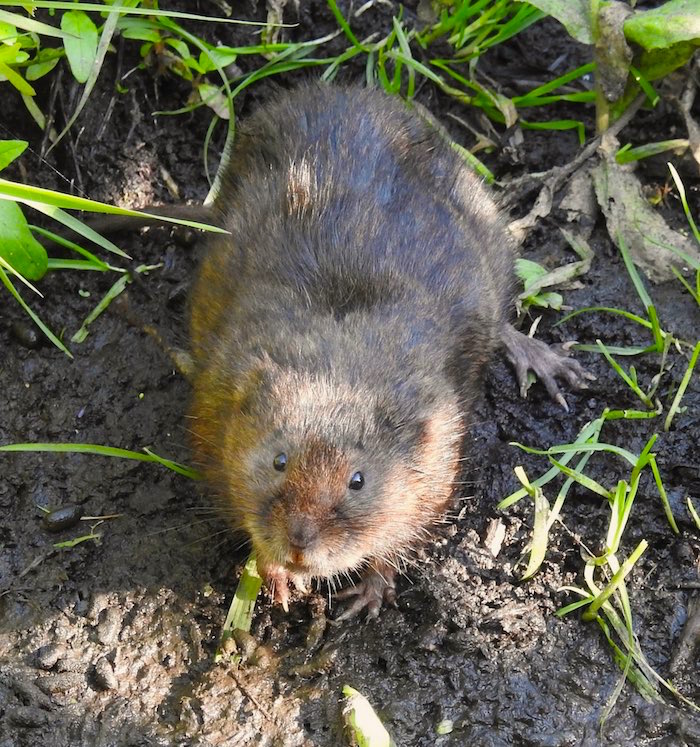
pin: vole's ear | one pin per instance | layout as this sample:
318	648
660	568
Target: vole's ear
255	385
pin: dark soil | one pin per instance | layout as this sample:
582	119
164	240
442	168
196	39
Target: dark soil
111	642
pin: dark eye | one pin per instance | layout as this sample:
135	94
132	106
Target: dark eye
280	462
356	481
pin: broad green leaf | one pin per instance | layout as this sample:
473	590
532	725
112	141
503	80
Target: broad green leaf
528	271
662	27
214	98
12	54
141	34
34	72
8	33
220	56
17	245
43	63
80	43
658	63
574	15
179	46
142	29
9	150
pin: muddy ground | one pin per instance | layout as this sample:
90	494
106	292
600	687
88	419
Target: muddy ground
111	642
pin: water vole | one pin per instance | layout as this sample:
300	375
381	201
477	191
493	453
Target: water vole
340	331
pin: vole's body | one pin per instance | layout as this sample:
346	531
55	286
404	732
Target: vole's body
343	324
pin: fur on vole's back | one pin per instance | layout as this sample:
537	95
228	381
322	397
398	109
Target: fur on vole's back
343	324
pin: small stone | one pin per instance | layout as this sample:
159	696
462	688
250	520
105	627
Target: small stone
62	518
495	534
262	657
27	716
109	626
47	656
229	646
27	335
245	642
59	683
105	679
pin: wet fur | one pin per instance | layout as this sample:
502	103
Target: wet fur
345	321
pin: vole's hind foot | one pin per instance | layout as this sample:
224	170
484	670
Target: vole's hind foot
548	363
378	587
181	359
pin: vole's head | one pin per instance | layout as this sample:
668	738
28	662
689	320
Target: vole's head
326	475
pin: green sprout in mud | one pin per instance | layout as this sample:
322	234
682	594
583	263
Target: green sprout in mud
609	604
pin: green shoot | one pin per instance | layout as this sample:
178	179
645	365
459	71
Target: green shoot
628	154
240	613
682	387
107	451
69	544
107	299
629	379
361	722
539	533
693	512
615	582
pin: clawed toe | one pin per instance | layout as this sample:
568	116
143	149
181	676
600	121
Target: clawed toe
371	593
547	362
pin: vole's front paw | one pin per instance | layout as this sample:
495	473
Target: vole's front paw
377	587
548	362
277	580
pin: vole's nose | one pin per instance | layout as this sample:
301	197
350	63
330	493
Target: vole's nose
301	531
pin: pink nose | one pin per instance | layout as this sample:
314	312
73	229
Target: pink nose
302	531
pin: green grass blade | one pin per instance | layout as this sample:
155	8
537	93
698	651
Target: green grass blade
9	268
582	479
240	613
592	612
617	350
628	154
682	387
634	275
340	19
70	221
29	194
129	10
99	450
625	376
67	244
589	431
79	265
610	310
693	512
29	24
662	494
684	201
